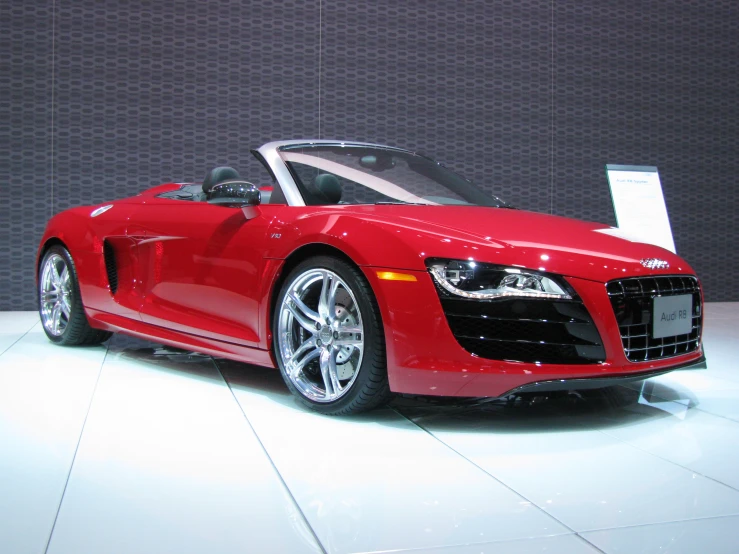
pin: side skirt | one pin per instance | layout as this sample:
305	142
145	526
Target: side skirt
213	347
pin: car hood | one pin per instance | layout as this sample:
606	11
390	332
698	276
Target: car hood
527	239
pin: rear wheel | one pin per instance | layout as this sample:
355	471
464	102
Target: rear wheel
328	338
60	305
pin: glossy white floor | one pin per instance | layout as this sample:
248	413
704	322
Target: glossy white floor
131	447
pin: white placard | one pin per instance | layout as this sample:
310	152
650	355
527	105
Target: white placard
672	315
639	204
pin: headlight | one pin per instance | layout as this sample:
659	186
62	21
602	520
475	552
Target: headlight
486	281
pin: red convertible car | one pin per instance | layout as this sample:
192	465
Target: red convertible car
364	270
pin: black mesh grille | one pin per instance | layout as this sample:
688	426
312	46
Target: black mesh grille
524	329
632	301
110	266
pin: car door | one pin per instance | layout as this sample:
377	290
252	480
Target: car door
108	263
199	267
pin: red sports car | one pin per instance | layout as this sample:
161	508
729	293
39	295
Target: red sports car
365	270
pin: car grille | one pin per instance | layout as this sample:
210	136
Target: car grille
632	301
524	329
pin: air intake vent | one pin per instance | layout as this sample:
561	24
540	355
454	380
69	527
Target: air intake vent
524	329
110	266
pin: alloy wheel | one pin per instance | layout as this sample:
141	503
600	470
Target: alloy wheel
320	335
55	295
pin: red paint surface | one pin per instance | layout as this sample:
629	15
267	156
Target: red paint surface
202	276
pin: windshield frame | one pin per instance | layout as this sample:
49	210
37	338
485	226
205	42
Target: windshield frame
295	193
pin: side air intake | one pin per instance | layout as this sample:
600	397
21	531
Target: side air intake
111	267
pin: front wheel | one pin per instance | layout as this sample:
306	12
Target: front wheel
328	338
60	305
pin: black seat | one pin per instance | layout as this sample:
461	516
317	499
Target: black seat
326	189
218	175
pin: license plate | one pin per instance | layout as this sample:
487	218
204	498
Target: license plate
672	315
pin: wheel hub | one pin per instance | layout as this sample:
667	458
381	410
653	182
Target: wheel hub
326	335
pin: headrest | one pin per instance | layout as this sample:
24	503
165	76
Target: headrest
327	188
218	175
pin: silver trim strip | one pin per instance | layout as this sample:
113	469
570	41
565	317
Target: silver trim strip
100	210
282	174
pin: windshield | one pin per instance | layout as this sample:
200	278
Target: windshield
355	174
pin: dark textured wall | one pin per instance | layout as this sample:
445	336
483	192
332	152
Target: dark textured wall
530	98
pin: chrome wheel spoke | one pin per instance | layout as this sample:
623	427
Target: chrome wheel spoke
56	279
66	308
299	359
304	322
307	345
327	301
297	368
353	329
64	279
56	317
305	310
330	374
348	341
349	335
333	372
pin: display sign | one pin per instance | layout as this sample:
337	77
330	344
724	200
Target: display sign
672	315
639	204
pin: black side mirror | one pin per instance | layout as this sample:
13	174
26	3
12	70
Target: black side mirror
234	194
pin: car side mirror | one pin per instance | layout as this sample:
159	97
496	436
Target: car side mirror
235	194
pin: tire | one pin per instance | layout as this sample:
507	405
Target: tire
328	338
60	304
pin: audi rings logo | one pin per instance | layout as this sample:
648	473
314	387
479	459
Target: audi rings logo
654	263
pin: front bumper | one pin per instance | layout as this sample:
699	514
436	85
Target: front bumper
424	357
600	382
